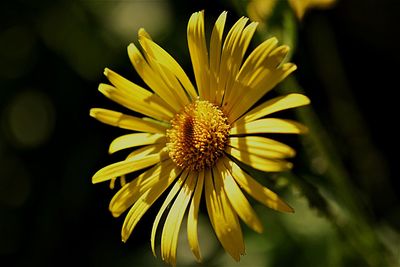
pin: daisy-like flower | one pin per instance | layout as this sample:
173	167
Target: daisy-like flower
191	138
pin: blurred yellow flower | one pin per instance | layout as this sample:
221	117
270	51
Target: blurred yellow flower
301	6
260	10
191	139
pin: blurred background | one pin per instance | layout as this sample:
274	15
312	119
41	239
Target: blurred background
345	184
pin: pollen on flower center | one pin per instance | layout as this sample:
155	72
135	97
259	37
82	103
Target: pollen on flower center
198	136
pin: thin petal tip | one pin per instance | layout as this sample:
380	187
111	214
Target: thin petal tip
94	180
106	71
300	99
115	214
142	33
307	100
196	255
258	228
93	112
284	207
130	47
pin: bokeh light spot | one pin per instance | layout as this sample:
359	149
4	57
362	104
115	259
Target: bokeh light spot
29	119
123	19
127	17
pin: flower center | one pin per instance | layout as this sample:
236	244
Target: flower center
198	136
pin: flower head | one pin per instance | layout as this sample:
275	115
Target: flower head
190	138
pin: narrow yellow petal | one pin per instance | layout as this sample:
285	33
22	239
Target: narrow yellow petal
160	62
274	105
146	200
259	162
169	236
269	125
255	80
131	191
138	154
230	59
215	55
129	100
198	53
165	59
223	218
241	38
126	166
146	150
123	121
135	97
135	139
151	75
238	200
261	146
193	216
257	57
253	62
262	81
255	189
171	195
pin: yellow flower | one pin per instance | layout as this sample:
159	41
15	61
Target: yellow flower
260	10
300	7
191	139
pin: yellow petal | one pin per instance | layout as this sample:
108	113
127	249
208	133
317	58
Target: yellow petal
131	191
262	81
171	195
135	139
253	62
123	121
138	154
151	76
257	57
146	200
269	125
146	150
198	53
135	97
255	189
238	48
274	105
193	216
156	58
259	162
238	199
261	146
215	55
126	166
230	58
259	149
164	58
255	80
223	218
169	236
